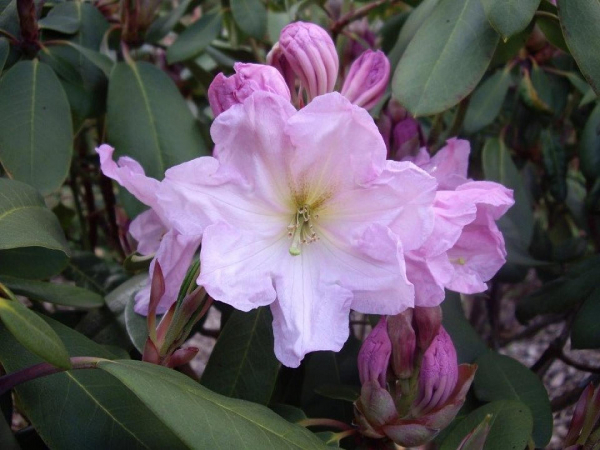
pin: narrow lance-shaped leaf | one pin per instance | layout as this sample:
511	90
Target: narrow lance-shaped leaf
36	133
195	38
487	100
63	18
508	17
446	59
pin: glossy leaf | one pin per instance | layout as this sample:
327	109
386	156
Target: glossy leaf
195	38
589	146
446	59
555	163
243	364
580	22
500	377
508	17
585	331
33	333
32	244
250	16
487	101
189	410
59	294
63	18
101	412
511	426
36	133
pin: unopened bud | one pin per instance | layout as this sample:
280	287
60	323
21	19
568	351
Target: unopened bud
224	92
311	54
438	375
427	322
403	339
406	138
182	356
367	79
276	58
28	21
374	355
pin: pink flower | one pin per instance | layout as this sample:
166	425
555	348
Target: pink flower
300	210
173	250
367	79
225	92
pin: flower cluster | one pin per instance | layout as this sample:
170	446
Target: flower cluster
299	209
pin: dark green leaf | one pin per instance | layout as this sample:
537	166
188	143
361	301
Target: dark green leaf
589	146
550	26
64	18
33	333
9	19
7	439
585	331
511	426
195	38
508	17
161	26
93	273
487	100
36	133
580	22
190	410
102	62
250	16
339	392
136	325
500	377
59	294
555	162
102	413
243	364
32	244
4	51
446	59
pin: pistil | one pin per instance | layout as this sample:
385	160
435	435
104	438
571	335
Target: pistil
301	230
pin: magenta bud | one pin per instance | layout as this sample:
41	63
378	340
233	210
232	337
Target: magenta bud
406	138
374	355
151	353
367	79
182	356
438	375
311	54
428	321
404	343
224	92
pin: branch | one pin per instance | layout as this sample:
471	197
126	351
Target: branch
343	21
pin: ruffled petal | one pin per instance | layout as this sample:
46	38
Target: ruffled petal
450	164
429	288
148	230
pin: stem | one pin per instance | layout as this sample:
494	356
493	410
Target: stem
580	366
325	423
546	14
343	21
10	37
7	382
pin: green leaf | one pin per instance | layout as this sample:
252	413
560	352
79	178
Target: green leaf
203	419
469	345
59	294
93	273
511	426
250	16
585	331
508	17
487	101
195	38
36	134
580	22
555	163
101	412
589	146
149	121
33	333
7	439
102	62
136	325
243	364
500	377
9	19
551	26
4	51
64	18
411	26
161	26
32	244
446	59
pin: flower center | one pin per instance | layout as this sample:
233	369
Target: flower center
301	230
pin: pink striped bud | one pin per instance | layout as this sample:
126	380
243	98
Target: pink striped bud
367	79
374	355
404	343
428	321
224	92
311	54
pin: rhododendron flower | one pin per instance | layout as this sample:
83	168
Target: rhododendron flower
173	250
300	210
466	249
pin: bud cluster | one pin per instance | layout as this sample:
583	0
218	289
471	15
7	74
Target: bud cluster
412	385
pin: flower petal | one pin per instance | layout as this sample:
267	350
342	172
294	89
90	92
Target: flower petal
429	290
450	164
147	229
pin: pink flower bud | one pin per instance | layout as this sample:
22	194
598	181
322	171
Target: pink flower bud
428	321
312	56
367	79
361	38
374	355
439	374
224	92
406	138
276	58
182	356
403	339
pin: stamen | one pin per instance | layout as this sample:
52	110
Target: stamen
301	230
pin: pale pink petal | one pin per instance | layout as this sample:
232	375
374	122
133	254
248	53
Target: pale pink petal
429	290
449	165
129	174
492	197
147	229
175	256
